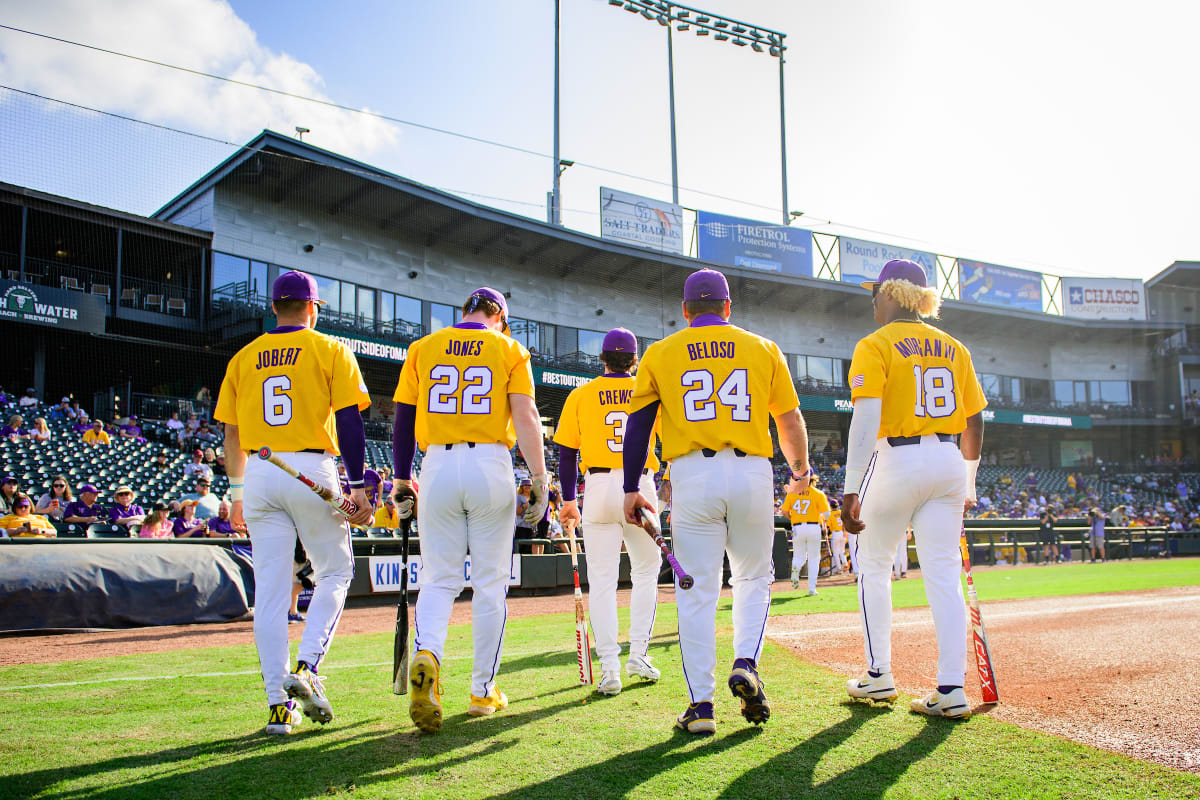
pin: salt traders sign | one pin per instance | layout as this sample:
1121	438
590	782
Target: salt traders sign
861	260
999	286
641	221
52	308
742	242
1104	298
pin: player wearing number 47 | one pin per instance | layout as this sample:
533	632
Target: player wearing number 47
299	393
466	397
914	389
716	386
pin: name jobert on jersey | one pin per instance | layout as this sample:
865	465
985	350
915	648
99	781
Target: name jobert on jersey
278	357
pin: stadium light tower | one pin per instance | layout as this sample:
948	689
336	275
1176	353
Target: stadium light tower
721	29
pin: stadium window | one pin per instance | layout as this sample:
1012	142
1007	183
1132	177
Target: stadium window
348	298
820	369
440	316
1064	393
227	269
258	279
366	306
330	292
990	384
1081	395
590	342
1114	392
387	308
408	309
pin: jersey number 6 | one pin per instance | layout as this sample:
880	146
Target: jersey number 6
277	405
698	405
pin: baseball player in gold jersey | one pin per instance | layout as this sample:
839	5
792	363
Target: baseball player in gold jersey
837	539
914	389
808	511
301	394
716	386
466	396
591	429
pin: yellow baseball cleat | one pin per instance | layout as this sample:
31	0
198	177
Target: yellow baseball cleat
425	699
484	706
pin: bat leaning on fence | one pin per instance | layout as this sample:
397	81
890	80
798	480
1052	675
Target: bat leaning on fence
651	526
583	645
983	653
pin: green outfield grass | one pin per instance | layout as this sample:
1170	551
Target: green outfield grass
197	733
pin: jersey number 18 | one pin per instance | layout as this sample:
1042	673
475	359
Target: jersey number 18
935	391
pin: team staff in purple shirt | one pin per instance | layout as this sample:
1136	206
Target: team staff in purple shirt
125	512
85	510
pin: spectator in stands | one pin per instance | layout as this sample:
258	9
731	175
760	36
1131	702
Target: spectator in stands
131	430
85	510
1182	490
97	435
186	524
524	529
207	503
206	434
156	525
30	399
1118	517
162	461
387	516
204	396
82	423
1096	535
209	459
1048	536
23	522
219	463
192	424
3	397
13	430
9	490
220	524
40	433
64	411
124	512
175	427
54	502
198	469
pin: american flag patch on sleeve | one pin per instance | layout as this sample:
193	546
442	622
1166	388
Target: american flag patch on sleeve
857	381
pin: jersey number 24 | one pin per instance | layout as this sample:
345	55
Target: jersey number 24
699	403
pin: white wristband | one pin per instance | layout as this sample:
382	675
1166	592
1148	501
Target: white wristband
972	472
235	493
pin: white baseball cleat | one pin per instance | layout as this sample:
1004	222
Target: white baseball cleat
284	718
795	577
881	689
641	667
309	688
610	683
812	592
953	705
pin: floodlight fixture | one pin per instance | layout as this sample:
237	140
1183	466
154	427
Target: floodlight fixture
756	47
702	31
740	42
720	37
721	23
703	20
738	29
616	2
662	20
683	27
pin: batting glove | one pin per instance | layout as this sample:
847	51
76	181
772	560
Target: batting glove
539	498
406	499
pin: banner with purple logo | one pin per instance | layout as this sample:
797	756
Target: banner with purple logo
741	242
1104	298
641	221
861	260
999	286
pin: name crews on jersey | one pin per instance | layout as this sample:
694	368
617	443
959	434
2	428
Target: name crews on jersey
466	396
299	393
715	385
807	511
591	429
914	389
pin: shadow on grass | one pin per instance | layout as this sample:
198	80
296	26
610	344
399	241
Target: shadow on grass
791	774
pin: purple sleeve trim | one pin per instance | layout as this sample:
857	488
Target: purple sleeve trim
568	471
637	444
352	441
404	440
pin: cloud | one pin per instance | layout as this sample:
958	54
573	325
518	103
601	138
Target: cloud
205	35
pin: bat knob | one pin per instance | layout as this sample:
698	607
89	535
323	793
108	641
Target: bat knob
686	582
264	453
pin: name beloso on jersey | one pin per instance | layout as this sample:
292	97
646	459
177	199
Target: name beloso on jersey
593	422
808	506
459	379
283	388
717	384
924	376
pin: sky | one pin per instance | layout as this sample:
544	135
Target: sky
1049	136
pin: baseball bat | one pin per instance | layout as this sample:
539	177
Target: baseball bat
983	653
583	645
650	525
400	643
343	505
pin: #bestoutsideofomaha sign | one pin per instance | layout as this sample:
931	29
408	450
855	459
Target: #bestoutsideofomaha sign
51	308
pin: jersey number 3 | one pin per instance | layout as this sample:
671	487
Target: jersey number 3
935	391
698	404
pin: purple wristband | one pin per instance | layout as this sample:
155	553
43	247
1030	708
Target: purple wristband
352	441
404	440
568	471
637	444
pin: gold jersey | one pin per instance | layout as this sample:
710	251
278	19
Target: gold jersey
281	391
459	379
835	521
593	422
808	506
716	384
924	376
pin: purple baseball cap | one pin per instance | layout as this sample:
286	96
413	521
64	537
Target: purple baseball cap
494	296
372	477
87	487
900	269
295	285
620	340
10	479
706	284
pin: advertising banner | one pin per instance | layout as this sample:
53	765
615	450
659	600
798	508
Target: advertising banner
1103	298
641	221
1075	454
999	286
385	572
861	260
742	242
52	308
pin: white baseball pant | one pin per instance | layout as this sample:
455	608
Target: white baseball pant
468	502
837	545
923	485
900	564
806	546
604	528
721	504
852	541
277	508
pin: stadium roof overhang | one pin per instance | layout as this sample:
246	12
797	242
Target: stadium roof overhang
1180	275
272	166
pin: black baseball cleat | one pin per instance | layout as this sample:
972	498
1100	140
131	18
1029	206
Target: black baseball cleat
748	687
